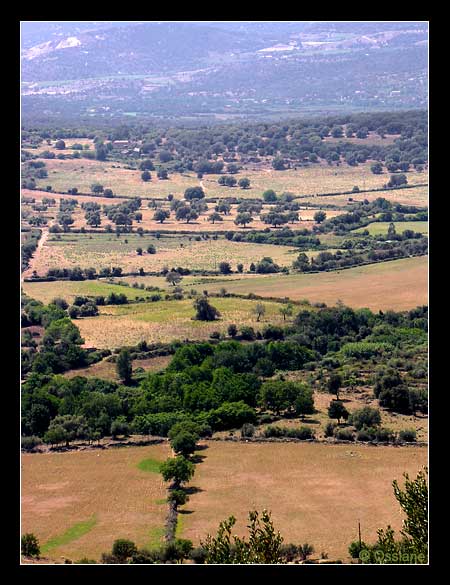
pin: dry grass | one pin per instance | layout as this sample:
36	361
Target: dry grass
60	490
81	173
353	400
316	493
164	321
107	370
416	196
319	178
397	284
106	250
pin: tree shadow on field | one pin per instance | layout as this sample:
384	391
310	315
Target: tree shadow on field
192	489
197	458
185	511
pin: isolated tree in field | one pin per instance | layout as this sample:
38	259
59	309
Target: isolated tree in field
30	545
243	219
320	216
259	310
146	176
286	311
194	193
161	215
205	311
337	410
240	268
334	384
174	277
139	251
391	230
96	188
60	145
124	366
225	268
213	217
244	183
178	469
397	180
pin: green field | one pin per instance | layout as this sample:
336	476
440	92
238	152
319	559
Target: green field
381	228
68	290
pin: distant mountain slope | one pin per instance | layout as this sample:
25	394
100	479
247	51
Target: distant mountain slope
196	69
147	48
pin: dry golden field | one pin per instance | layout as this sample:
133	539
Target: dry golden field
318	178
164	321
397	284
316	493
106	250
416	196
103	490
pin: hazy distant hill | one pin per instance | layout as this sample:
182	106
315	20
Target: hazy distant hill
251	69
134	49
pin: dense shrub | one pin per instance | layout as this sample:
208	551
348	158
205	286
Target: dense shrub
344	435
